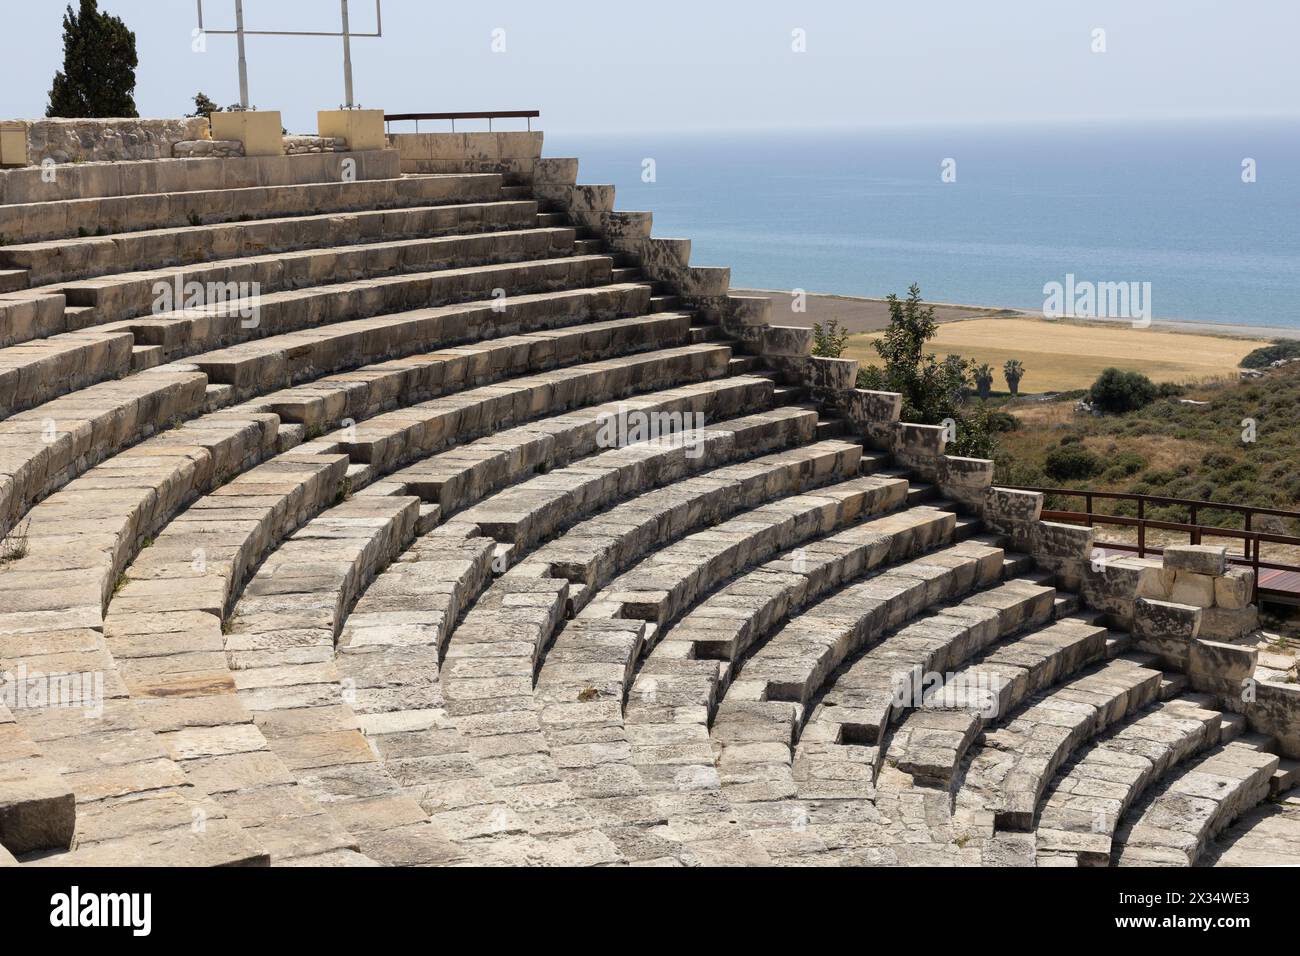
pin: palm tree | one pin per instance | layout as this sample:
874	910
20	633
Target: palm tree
984	380
1014	372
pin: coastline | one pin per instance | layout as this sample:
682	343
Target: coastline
863	314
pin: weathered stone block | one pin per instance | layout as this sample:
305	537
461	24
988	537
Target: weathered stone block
1192	588
1008	511
1156	583
1275	710
1198	558
1221	668
786	340
1166	629
1234	590
1229	624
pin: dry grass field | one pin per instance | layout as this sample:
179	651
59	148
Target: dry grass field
1059	356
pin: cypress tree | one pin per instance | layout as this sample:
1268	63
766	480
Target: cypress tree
99	61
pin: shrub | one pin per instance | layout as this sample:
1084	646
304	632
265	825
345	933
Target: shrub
830	340
1117	391
1071	463
1266	356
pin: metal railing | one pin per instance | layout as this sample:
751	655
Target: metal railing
490	115
1196	530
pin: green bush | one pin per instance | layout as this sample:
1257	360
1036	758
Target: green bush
1071	462
1117	391
1266	356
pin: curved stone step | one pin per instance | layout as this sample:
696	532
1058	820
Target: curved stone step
43	449
799	658
664	585
891	677
931	742
540	507
594	551
39	221
1173	824
1268	835
25	316
66	260
455	479
571	326
1086	802
245	284
36	372
193	331
140	178
1015	763
280	643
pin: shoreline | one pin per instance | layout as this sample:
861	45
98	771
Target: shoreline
865	314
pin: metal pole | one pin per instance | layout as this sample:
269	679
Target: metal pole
243	60
347	56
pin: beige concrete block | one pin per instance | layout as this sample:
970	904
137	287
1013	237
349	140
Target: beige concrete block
13	144
362	129
1192	588
261	131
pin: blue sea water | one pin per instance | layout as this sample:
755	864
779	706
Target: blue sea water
867	213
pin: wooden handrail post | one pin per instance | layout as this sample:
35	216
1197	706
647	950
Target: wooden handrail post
1142	528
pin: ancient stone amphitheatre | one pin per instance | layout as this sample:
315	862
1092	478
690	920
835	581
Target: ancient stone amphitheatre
414	506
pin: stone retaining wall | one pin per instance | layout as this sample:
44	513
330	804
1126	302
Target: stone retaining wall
513	153
108	140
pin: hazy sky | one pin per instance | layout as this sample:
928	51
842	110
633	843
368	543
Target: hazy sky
721	64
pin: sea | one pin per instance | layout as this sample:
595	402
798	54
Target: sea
1206	213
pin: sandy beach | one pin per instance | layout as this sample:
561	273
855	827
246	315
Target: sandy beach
872	315
1058	354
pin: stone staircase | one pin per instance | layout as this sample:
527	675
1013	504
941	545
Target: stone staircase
474	525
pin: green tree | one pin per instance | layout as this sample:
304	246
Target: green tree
204	106
99	61
830	340
933	391
984	380
1117	391
1013	371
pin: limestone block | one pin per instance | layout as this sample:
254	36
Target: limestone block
1008	511
1229	624
1063	541
1200	558
559	171
1234	589
361	129
1166	629
786	340
919	446
1156	583
1276	710
13	144
261	131
965	479
1221	668
37	811
1192	588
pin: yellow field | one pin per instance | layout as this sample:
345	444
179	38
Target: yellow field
1059	356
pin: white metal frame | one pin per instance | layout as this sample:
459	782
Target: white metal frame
346	34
